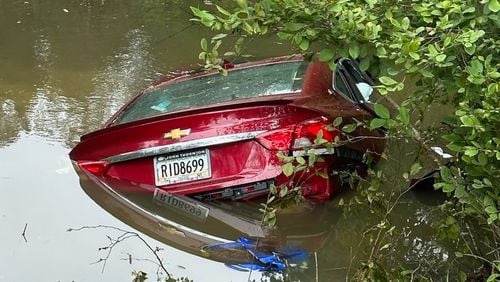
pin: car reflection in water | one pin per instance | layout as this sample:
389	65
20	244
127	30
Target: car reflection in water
217	236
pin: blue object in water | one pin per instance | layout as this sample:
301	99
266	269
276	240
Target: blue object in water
264	261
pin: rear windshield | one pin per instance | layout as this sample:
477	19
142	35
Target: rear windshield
275	79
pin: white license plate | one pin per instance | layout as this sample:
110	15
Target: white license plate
180	204
182	167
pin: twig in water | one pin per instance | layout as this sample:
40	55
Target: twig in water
24	233
114	241
316	262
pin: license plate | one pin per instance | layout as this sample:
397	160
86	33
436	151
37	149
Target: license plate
180	204
182	167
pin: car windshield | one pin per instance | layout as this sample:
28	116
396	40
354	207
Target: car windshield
259	81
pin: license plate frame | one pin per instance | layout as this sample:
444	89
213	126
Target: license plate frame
182	167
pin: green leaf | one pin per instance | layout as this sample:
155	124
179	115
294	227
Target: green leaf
488	201
426	73
446	174
494	6
304	44
270	199
382	111
415	168
288	169
242	3
467	121
222	10
283	35
204	44
348	128
364	65
273	189
471	151
455	147
482	159
440	58
462	276
490	209
414	45
323	174
354	51
492	217
476	67
319	136
326	55
404	116
337	121
414	55
432	49
387	80
283	191
405	23
300	160
447	188
219	36
381	51
204	16
388	14
493	277
312	159
332	65
460	191
487	182
294	26
377	122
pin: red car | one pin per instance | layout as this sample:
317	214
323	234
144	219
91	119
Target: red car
210	136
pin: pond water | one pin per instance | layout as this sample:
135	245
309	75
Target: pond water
65	67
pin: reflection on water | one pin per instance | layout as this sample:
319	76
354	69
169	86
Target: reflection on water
39	187
67	67
10	122
300	232
118	81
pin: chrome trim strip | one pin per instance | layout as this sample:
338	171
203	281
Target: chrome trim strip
181	146
317	151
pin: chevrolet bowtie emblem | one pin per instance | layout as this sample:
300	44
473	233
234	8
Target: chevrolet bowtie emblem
176	133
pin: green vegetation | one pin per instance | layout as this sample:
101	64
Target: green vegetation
446	52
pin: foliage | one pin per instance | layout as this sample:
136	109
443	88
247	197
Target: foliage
299	168
446	51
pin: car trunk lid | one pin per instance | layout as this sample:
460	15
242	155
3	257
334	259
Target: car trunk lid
228	134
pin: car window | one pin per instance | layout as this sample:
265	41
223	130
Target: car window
363	90
339	84
268	80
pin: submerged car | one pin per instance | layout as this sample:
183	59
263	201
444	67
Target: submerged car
210	136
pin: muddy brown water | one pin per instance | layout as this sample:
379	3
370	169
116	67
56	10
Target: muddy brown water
65	67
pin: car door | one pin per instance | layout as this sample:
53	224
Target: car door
351	83
355	84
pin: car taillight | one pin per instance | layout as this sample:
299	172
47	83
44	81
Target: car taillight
277	139
306	133
297	137
97	167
